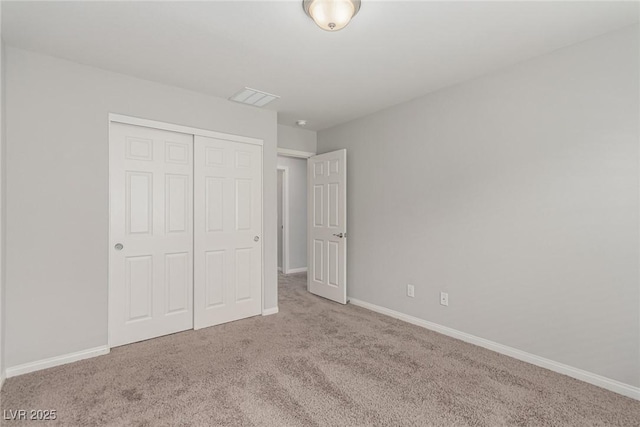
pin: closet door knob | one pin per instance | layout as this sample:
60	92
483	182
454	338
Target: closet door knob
118	246
255	239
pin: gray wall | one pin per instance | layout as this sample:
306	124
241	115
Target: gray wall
297	210
297	139
516	193
57	193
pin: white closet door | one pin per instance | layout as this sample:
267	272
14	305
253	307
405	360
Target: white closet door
151	233
228	231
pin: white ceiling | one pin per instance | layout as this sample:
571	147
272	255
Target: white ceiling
391	52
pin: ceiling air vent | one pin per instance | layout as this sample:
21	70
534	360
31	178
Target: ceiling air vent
253	97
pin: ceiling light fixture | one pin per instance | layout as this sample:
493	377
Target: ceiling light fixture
301	123
331	15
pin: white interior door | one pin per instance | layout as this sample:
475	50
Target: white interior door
327	225
151	233
228	231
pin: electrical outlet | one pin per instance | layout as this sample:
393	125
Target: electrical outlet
410	291
444	298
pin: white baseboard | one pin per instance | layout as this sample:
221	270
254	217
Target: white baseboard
582	375
269	311
56	361
296	270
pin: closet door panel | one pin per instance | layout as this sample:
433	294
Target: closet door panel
151	233
228	231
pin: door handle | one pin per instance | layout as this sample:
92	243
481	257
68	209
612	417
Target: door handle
118	246
255	239
341	235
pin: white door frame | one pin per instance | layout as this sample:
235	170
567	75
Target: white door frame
285	218
136	121
295	153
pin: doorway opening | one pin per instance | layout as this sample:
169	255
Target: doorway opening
312	219
292	215
283	254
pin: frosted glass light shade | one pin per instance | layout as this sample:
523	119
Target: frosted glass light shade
331	15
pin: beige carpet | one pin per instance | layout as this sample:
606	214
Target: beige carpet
314	363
